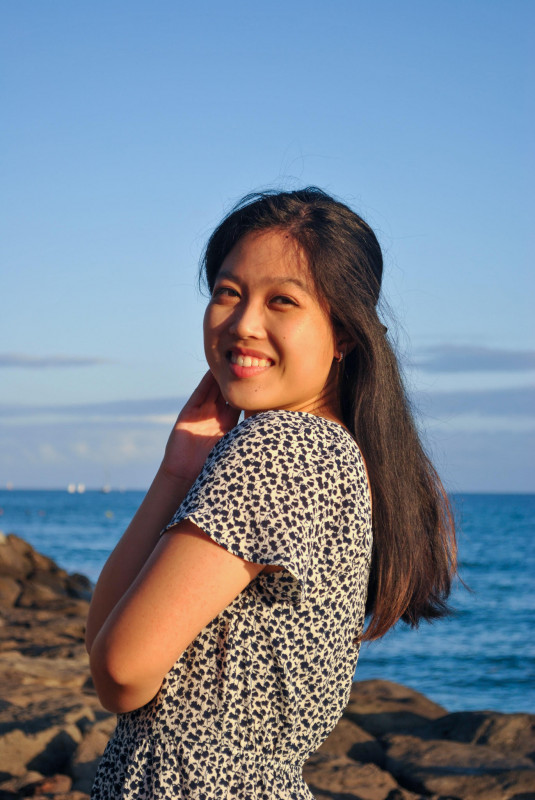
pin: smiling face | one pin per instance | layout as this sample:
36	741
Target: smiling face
268	339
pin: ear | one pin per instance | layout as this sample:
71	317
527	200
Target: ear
344	342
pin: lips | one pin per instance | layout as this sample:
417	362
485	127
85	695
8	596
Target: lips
245	362
249	361
245	357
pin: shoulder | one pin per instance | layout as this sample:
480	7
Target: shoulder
283	487
278	446
289	434
289	454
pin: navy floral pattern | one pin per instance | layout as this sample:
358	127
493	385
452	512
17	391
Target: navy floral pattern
265	682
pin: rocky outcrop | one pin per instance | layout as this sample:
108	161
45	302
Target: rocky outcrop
392	743
412	748
52	727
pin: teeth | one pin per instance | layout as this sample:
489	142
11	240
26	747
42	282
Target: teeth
249	361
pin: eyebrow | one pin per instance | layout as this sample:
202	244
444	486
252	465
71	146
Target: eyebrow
223	273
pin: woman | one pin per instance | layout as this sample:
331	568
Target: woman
228	643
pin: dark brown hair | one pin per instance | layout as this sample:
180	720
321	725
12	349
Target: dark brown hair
414	553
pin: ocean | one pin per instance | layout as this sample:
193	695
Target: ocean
482	657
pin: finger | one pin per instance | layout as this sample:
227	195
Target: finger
205	391
214	392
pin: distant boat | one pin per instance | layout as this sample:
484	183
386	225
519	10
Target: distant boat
106	489
74	488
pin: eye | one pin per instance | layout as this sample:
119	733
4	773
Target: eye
224	291
282	299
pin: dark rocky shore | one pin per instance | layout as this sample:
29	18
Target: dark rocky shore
391	744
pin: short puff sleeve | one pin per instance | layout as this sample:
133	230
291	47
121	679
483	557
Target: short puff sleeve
257	493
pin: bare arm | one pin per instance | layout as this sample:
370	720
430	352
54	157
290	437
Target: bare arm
187	581
202	421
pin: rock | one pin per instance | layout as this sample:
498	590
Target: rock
341	778
52	785
512	734
47	574
392	742
42	584
347	739
56	756
45	751
47	703
10	590
60	634
79	586
39	595
15	558
73	795
21	786
45	712
85	760
17	749
41	564
452	768
384	707
61	672
83	717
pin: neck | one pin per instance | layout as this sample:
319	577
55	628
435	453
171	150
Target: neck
327	404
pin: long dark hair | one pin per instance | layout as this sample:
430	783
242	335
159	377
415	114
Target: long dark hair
414	553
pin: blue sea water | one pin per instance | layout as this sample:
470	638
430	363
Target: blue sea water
483	657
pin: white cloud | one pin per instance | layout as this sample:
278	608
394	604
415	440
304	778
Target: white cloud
480	423
25	361
471	358
49	454
482	440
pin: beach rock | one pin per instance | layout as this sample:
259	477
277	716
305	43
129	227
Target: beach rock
47	704
17	749
347	739
467	771
10	590
85	760
392	742
21	786
79	586
45	752
36	581
341	778
44	711
381	707
15	560
22	671
512	734
52	785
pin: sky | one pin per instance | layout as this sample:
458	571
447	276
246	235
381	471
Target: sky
130	128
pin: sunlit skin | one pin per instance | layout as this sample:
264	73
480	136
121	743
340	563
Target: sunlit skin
269	340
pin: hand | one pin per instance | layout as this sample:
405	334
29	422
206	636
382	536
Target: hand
205	418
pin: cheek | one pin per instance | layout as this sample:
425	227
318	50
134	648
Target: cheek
318	342
212	320
314	358
208	331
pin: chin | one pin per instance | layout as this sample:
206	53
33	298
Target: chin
237	398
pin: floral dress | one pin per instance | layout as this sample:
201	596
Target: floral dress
265	682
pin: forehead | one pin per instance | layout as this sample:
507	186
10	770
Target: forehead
268	255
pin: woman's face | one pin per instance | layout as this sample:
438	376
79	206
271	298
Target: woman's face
268	340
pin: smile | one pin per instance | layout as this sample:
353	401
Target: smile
249	361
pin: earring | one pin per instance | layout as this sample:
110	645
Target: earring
340	357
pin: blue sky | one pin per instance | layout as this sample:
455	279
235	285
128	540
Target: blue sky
133	126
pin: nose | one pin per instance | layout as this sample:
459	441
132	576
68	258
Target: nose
247	321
